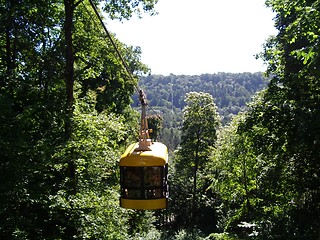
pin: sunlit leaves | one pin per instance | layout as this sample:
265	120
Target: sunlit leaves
40	166
120	9
288	114
200	120
199	127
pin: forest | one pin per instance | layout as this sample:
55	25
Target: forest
166	96
244	148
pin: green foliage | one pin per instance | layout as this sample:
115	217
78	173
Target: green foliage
53	186
166	94
254	174
231	91
262	180
296	108
200	123
141	225
192	235
265	168
154	123
125	9
31	94
98	67
240	174
223	236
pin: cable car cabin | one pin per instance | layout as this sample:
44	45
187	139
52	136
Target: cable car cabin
143	174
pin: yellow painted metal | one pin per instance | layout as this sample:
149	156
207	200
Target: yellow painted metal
143	204
158	156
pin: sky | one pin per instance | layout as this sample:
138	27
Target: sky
194	37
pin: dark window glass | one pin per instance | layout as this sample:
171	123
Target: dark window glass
132	177
143	182
153	176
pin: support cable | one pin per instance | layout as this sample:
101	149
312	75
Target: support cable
119	54
115	46
124	64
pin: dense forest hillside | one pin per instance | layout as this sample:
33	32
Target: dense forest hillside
231	93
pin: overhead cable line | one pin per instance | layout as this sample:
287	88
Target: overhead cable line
118	52
115	46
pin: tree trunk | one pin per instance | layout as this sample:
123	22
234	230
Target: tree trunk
70	230
69	71
245	182
8	52
9	29
69	79
194	194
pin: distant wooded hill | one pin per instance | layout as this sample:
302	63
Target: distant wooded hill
231	91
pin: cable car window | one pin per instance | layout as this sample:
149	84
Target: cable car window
153	179
131	182
132	178
143	182
152	176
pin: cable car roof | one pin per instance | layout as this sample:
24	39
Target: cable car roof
158	156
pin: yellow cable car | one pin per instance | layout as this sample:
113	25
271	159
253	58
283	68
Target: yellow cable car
144	171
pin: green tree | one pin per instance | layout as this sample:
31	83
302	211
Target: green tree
154	123
58	154
200	123
248	178
232	91
31	92
293	57
95	147
279	135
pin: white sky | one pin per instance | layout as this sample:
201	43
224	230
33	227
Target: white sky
204	36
